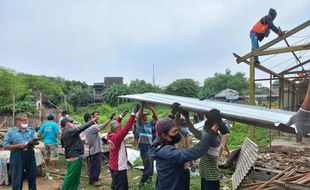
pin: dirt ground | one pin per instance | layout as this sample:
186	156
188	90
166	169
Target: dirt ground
42	184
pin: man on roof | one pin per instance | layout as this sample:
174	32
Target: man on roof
262	29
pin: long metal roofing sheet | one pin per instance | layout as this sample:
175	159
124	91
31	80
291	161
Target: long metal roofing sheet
253	115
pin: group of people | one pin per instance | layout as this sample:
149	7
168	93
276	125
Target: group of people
165	140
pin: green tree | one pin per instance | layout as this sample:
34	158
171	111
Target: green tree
110	94
42	84
219	82
183	87
141	86
10	84
260	89
79	96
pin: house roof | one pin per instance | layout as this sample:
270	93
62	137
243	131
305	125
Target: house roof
226	93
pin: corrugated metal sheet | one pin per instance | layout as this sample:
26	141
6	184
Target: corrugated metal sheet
253	115
246	160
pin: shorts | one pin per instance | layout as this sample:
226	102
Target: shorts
51	152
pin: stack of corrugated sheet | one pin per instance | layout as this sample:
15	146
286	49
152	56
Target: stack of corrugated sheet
246	160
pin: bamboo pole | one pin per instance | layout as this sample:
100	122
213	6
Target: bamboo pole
273	179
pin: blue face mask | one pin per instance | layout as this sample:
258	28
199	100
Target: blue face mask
184	130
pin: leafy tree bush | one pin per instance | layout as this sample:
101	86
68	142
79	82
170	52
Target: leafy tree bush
10	84
219	82
183	87
110	94
141	86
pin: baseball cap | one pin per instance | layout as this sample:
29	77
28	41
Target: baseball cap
164	124
64	121
50	116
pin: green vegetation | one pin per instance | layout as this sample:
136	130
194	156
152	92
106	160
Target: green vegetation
111	94
72	95
183	87
27	89
239	132
213	85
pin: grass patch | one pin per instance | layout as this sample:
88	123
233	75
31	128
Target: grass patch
239	132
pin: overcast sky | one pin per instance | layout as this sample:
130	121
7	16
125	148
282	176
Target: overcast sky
88	40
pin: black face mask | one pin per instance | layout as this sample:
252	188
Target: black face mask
175	139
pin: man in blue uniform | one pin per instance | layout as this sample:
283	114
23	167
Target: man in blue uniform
20	140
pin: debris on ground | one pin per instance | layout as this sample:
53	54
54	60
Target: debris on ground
280	158
287	166
287	178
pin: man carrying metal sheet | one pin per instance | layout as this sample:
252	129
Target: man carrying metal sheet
208	166
118	154
170	160
146	130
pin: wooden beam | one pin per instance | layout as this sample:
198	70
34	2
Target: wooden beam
294	67
272	42
273	179
290	186
297	72
284	50
252	95
275	78
264	69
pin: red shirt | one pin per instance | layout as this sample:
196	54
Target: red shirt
118	153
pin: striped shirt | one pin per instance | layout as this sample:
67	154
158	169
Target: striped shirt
145	130
208	168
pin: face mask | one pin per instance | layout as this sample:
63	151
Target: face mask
24	125
176	138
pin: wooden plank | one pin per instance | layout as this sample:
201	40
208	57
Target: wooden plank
293	178
273	179
284	50
264	69
294	67
304	179
289	174
290	186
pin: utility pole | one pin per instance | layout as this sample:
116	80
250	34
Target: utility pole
13	110
65	102
153	74
40	109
